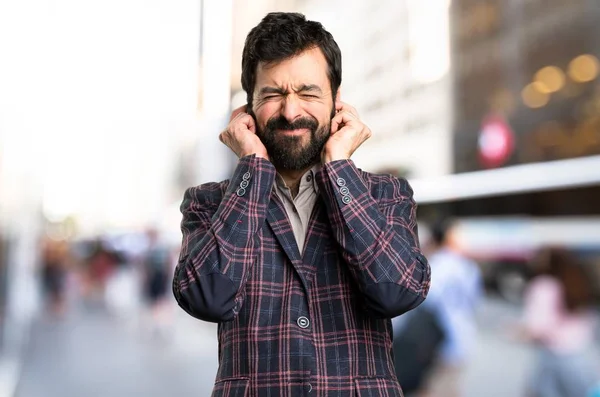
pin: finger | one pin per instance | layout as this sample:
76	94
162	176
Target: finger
237	111
344	107
344	117
225	137
335	125
339	120
243	125
248	121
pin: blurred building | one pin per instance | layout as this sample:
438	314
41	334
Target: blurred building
526	130
20	233
395	58
90	119
533	63
526	104
245	16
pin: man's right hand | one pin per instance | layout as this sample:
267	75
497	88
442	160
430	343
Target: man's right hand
240	135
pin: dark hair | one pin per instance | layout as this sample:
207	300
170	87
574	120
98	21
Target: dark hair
569	271
439	230
280	36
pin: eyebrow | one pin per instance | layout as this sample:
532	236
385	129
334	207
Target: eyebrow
309	88
281	91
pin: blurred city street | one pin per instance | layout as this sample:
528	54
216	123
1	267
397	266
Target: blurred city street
111	111
93	354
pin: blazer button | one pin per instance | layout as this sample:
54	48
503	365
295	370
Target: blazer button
244	184
344	190
341	182
346	199
241	191
246	176
303	322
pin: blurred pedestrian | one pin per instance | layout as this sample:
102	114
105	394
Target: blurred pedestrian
559	321
54	275
100	266
300	257
156	281
456	291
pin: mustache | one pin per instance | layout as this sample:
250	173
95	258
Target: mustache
281	123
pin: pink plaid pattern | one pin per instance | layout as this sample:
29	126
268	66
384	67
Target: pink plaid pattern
315	324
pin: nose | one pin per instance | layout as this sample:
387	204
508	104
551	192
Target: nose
290	108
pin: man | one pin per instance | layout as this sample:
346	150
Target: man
300	257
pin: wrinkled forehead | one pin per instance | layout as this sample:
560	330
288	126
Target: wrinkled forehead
308	68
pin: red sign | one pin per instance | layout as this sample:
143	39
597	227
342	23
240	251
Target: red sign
496	142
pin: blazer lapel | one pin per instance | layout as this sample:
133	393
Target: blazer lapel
317	238
282	229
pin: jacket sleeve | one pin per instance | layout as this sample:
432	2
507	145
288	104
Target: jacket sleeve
220	237
376	229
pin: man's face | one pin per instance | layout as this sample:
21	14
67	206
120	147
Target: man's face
293	107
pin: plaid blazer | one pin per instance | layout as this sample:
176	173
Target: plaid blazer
316	324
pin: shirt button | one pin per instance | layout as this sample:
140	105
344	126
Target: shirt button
308	178
246	176
341	182
303	322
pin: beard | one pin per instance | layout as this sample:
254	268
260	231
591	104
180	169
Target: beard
290	153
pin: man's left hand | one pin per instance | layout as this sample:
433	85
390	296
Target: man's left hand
347	134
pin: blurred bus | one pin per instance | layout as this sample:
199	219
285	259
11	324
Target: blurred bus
507	214
505	247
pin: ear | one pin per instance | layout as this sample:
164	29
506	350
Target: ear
338	94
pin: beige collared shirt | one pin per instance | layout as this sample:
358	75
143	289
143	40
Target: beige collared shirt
299	209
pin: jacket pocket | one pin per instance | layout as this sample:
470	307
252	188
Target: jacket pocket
234	387
377	387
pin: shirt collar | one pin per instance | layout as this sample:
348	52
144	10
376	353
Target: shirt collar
308	177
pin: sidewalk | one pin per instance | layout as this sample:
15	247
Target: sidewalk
12	356
501	366
92	354
10	367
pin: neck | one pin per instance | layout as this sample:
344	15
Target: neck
292	179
